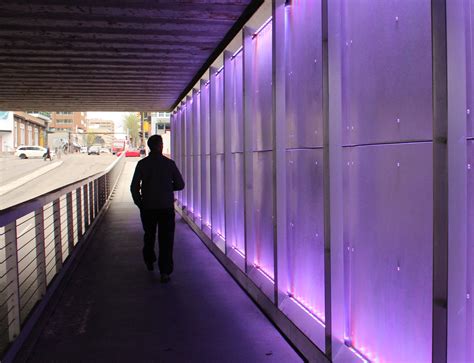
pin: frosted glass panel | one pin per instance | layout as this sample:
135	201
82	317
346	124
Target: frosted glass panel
236	104
262	89
218	114
197	185
204	120
235	236
263	201
305	228
304	75
388	234
189	151
218	216
184	156
470	243
206	191
387	71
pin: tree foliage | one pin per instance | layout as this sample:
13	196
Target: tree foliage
131	124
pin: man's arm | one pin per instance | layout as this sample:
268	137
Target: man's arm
178	182
135	187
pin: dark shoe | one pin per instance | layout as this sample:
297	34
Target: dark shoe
165	278
149	266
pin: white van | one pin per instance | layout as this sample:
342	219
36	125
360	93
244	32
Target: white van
35	151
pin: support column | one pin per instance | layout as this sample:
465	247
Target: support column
248	57
440	181
279	143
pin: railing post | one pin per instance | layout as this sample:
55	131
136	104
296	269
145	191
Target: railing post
40	252
79	212
57	235
13	290
91	201
70	223
96	197
86	205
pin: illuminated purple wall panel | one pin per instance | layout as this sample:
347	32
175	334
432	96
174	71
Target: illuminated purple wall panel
184	196
235	236
305	228
262	90
190	153
263	202
304	75
470	254
389	203
197	156
217	190
206	197
204	120
237	117
205	157
387	71
218	114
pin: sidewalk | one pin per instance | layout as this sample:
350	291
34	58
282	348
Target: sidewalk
114	310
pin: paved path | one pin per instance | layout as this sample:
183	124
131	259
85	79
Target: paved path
114	310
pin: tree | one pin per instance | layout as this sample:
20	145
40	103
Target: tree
131	124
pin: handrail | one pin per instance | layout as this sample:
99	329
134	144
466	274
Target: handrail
14	212
36	252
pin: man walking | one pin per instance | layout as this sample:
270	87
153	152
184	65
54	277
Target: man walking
153	183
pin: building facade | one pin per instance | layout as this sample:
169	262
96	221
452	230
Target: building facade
101	132
20	128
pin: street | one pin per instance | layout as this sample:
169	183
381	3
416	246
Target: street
73	167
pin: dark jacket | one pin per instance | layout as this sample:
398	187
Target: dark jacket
154	180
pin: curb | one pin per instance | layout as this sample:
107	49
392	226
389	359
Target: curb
25	179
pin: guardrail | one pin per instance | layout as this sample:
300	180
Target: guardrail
36	239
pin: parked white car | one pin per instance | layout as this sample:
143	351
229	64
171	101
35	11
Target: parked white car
34	151
83	149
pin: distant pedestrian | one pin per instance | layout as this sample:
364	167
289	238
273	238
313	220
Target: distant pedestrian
155	179
47	154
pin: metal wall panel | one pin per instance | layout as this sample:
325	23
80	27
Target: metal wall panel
217	191
205	157
304	75
387	71
262	89
184	135
197	156
237	116
235	237
470	252
305	229
218	113
189	153
262	243
388	193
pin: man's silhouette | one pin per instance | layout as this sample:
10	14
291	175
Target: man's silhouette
153	183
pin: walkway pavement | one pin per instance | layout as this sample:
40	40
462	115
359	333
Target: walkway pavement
114	310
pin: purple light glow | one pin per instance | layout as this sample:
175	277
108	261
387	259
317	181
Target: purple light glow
239	252
312	312
262	27
264	273
241	48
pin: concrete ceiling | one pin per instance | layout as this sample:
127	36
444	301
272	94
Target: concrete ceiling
125	55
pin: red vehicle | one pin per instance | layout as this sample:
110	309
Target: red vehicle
132	153
118	147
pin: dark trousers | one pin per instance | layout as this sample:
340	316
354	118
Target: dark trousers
164	219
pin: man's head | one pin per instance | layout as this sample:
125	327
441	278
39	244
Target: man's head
155	143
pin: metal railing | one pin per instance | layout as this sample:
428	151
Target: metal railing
36	239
